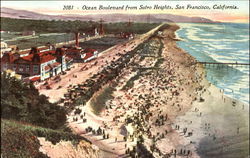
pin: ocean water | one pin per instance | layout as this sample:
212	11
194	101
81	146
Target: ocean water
224	42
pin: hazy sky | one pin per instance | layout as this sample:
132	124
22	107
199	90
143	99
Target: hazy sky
56	7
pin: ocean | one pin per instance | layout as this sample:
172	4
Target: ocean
221	42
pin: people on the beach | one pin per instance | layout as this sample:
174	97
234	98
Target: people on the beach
148	105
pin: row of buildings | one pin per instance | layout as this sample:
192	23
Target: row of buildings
43	63
39	64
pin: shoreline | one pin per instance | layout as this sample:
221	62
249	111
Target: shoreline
205	130
220	123
175	134
204	69
230	89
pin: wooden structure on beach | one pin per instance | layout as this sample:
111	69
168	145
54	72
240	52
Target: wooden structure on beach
222	64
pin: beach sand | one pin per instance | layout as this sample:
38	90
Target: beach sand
160	104
222	129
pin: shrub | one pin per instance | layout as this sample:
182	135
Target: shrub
22	102
98	102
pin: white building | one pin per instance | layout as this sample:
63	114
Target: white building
4	48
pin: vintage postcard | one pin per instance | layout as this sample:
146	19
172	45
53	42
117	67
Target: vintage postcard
121	79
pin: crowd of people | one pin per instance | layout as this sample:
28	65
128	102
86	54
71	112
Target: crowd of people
149	106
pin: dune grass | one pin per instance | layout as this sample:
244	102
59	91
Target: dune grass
99	100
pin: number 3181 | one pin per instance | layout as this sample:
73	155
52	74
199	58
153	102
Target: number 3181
68	7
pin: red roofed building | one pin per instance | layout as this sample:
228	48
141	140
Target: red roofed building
44	64
74	53
26	52
78	54
89	54
35	79
89	50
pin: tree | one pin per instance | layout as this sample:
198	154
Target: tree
21	101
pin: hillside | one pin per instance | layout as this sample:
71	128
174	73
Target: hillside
25	140
29	121
153	18
22	102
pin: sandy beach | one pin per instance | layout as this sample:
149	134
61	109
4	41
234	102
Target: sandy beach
160	105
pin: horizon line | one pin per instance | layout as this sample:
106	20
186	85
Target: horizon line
106	13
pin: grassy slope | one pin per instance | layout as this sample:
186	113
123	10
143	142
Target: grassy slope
26	115
20	139
98	102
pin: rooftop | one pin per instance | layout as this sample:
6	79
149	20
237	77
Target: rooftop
44	56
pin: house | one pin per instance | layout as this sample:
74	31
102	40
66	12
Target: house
4	49
81	55
74	53
89	54
40	64
26	52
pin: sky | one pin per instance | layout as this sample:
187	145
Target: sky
56	8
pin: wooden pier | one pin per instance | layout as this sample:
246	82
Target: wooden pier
228	64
